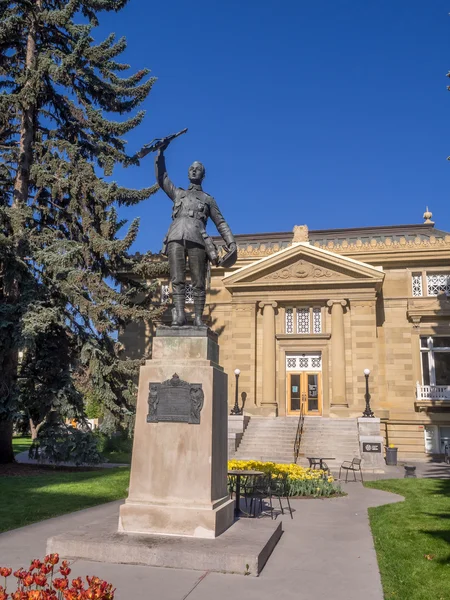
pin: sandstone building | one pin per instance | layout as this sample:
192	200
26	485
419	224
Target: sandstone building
302	314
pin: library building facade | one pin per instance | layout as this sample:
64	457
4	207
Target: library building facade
304	314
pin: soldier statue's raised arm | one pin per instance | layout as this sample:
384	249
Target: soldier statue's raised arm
187	237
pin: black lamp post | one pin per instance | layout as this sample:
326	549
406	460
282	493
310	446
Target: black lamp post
236	410
368	411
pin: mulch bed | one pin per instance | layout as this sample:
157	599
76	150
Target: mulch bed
23	470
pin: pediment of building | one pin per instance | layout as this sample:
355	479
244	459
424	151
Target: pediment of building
304	265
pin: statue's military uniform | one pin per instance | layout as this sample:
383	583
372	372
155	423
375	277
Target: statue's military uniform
187	236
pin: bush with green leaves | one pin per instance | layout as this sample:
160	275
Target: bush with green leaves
117	442
60	443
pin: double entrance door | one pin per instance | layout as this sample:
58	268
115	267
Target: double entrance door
304	388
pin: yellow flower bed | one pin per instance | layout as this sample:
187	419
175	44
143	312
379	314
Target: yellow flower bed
300	480
294	472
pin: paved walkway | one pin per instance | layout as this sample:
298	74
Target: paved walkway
326	552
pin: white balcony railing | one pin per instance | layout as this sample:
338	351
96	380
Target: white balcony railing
433	392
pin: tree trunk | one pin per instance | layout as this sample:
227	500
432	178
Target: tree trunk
6	449
21	191
34	428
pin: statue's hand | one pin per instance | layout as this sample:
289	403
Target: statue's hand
232	247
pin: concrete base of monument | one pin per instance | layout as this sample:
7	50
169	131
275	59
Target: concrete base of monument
244	548
192	521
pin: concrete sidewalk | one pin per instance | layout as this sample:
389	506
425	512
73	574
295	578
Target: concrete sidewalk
326	552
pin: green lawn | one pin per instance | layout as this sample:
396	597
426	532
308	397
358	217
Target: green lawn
412	539
27	499
20	444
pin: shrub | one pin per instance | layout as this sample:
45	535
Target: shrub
34	584
117	442
301	481
59	443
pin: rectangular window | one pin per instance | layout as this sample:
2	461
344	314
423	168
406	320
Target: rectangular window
438	283
444	438
425	369
417	284
435	358
165	294
188	294
303	320
289	320
317	320
442	368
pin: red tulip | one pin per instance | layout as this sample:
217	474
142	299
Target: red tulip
77	583
20	573
40	580
60	584
28	580
36	564
5	571
65	571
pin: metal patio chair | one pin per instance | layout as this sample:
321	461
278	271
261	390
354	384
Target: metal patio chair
280	489
256	490
354	466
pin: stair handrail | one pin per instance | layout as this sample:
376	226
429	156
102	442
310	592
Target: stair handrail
298	436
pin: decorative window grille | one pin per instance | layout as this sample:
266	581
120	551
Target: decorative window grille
291	362
308	361
289	320
189	296
316	362
438	283
317	320
303	320
303	362
165	294
417	284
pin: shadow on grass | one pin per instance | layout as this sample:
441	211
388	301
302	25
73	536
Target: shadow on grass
26	500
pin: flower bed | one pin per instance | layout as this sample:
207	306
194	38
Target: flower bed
39	583
301	481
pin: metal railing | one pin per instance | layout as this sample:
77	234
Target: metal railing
298	436
432	392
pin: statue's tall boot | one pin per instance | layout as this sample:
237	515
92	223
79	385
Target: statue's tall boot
199	306
179	316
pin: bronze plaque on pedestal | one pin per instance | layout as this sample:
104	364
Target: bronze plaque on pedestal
175	401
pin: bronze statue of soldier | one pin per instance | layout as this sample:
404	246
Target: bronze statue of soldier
187	237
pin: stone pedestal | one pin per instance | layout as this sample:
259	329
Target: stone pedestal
371	443
178	482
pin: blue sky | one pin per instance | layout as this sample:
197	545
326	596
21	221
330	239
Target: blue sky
330	113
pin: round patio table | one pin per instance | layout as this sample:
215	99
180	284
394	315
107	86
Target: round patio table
238	474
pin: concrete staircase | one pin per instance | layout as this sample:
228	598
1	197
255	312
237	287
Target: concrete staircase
334	438
268	439
272	439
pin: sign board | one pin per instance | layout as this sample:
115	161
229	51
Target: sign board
371	447
175	401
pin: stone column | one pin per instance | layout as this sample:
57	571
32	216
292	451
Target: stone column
268	403
338	396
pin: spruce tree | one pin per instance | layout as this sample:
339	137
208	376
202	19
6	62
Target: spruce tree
67	281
